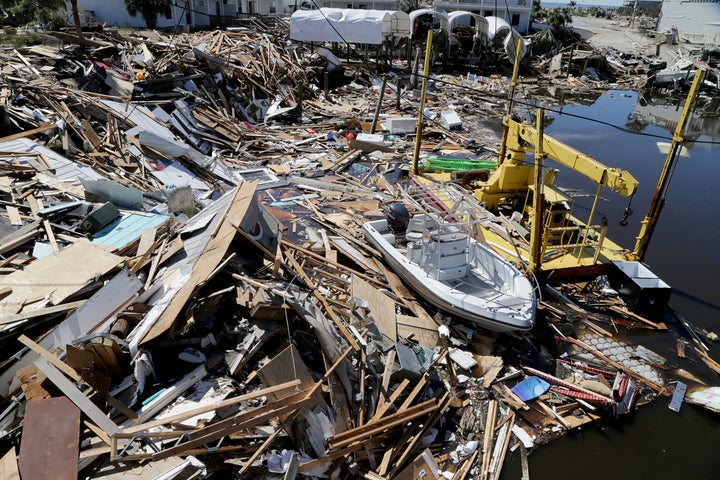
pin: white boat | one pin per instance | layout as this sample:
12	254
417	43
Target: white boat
682	70
456	273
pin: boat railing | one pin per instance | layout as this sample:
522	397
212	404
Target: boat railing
446	205
575	239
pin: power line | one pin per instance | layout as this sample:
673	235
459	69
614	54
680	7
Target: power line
487	95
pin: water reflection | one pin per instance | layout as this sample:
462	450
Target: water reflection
703	129
656	442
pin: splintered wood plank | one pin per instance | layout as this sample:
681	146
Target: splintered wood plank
387	373
146	241
58	184
285	367
490	367
8	466
50	442
35	205
178	417
78	398
14	215
51	235
681	348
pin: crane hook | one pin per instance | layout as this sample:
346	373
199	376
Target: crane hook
626	214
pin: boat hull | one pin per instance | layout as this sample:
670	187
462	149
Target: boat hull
496	310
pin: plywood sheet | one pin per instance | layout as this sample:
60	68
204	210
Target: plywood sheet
285	366
424	330
8	466
381	306
52	279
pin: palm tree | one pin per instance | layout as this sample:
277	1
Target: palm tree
558	19
149	9
538	12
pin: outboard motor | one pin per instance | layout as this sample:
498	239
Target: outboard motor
397	217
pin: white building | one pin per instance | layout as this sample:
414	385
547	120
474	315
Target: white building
390	5
695	20
183	13
205	13
515	12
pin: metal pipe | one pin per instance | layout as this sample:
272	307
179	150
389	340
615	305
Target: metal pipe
538	198
418	130
589	221
379	105
648	224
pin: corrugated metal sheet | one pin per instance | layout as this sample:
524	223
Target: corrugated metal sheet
140	116
65	169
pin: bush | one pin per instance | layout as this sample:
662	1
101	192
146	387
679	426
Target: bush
16	40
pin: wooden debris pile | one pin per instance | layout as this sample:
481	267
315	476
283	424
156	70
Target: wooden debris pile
186	292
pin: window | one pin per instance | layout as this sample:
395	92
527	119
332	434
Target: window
515	20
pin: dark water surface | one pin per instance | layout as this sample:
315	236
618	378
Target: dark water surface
655	443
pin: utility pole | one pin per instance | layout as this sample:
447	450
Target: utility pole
76	17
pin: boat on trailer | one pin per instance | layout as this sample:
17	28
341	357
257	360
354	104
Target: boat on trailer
446	266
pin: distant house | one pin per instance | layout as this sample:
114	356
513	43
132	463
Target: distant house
290	6
184	13
204	13
515	12
695	20
642	5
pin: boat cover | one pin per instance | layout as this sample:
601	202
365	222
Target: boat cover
348	25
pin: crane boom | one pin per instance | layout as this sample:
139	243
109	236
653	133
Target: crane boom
513	175
525	136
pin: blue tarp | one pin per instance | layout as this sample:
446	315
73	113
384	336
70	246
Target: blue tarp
530	388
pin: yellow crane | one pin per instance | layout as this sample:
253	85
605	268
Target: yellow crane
522	184
523	190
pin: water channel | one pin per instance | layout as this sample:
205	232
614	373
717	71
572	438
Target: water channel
655	442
